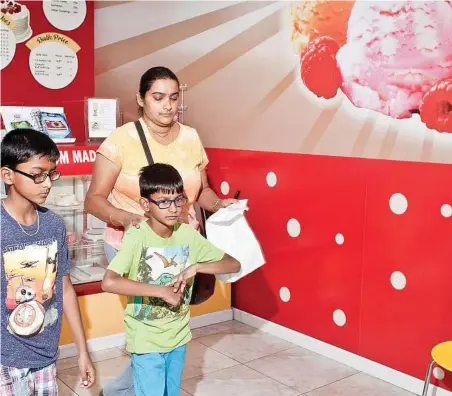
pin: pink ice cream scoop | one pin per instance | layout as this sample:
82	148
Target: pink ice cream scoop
395	52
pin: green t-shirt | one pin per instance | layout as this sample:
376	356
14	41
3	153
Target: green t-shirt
151	324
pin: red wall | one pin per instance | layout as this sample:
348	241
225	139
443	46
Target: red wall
330	195
19	88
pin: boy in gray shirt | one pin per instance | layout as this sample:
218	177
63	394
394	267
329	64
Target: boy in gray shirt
35	266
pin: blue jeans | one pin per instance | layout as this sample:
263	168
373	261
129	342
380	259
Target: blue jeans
158	374
122	385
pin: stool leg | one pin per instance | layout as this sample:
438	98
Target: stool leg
427	378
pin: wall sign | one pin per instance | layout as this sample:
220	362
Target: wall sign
77	159
65	15
7	41
102	117
53	59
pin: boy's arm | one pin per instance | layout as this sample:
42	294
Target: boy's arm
114	282
227	265
72	313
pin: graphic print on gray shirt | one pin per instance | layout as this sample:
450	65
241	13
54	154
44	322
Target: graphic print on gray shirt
32	271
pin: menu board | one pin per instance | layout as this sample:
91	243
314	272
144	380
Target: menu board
65	15
53	59
7	41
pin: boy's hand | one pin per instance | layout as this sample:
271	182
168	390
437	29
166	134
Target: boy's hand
170	296
87	371
178	282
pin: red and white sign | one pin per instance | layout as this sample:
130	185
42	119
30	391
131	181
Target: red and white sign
77	159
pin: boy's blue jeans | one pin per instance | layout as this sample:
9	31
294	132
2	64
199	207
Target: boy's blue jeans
158	374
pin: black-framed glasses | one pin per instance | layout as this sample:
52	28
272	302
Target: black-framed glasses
41	177
166	203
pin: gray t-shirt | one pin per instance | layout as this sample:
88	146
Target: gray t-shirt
32	270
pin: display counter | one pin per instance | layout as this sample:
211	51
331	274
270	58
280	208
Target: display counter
84	231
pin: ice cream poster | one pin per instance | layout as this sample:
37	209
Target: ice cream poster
391	57
366	79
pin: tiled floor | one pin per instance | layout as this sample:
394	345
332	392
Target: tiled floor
232	358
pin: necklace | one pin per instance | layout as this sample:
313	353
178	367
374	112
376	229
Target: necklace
161	136
20	225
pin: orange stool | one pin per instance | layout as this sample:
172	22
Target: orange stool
442	356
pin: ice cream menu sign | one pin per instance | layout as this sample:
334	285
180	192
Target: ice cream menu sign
7	41
65	15
53	59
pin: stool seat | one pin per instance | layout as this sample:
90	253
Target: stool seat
442	355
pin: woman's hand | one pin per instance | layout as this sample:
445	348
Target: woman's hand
224	203
126	219
132	220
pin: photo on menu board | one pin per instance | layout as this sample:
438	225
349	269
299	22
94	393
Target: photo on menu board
49	120
20	16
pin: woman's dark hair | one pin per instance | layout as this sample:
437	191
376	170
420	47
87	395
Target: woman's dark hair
152	75
161	178
20	145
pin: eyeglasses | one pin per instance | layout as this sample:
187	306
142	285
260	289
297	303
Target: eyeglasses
41	177
166	203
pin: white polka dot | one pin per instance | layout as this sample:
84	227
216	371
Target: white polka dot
398	203
446	210
271	179
398	280
439	373
339	239
339	317
284	294
293	228
225	188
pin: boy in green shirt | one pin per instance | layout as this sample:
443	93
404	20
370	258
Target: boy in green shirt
155	267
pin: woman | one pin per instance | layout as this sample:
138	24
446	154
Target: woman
120	158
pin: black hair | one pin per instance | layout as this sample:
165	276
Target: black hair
20	145
161	178
152	75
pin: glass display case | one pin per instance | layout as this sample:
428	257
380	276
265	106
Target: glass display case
84	231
